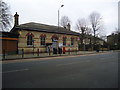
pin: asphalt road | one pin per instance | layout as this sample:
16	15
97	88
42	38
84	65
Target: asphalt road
93	71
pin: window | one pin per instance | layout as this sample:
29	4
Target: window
64	41
54	38
72	41
29	40
42	41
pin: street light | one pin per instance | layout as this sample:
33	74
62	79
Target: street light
59	14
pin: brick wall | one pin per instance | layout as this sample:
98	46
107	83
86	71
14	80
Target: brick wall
22	41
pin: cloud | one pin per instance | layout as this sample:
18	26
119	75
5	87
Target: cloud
46	11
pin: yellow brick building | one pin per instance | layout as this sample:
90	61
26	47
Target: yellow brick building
36	36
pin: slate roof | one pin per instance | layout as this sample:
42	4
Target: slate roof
43	28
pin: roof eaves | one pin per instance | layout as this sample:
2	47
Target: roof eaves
45	30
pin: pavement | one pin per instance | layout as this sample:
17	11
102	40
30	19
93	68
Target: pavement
46	56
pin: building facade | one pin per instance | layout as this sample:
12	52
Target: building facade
34	37
113	41
8	43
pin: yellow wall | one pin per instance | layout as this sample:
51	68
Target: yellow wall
22	42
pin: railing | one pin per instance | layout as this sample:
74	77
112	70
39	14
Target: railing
22	55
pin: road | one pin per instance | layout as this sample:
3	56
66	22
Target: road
92	71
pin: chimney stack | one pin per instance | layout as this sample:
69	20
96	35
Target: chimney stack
69	26
16	19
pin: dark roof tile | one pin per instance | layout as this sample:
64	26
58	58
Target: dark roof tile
44	28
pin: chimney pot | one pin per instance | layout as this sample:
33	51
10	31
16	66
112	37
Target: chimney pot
16	19
68	26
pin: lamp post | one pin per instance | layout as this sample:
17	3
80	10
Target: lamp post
59	14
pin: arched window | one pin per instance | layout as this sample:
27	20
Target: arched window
42	39
72	41
29	39
54	38
64	41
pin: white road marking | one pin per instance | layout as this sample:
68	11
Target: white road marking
15	71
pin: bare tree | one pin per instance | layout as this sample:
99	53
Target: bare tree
5	16
83	28
96	23
64	21
88	31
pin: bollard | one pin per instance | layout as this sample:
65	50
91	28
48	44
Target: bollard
38	52
22	53
49	51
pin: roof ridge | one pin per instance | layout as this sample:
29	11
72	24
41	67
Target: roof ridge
42	24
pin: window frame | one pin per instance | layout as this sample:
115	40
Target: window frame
29	40
72	41
42	41
64	41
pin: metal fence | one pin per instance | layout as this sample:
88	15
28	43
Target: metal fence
22	55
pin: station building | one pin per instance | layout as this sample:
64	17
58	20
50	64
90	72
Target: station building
36	36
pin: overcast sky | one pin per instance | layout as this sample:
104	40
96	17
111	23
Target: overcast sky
46	11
